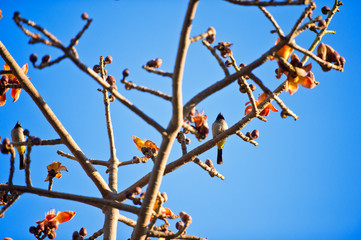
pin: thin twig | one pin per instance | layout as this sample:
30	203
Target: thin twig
15	196
245	138
96	202
268	3
95	235
211	170
92	161
210	32
307	26
42	143
299	21
131	85
219	60
159	72
27	163
44	64
273	21
127	221
12	166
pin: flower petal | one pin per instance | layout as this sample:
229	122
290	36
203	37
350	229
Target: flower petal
65	216
2	100
270	106
54	166
306	82
151	145
308	67
139	143
25	68
265	112
15	93
292	87
58	175
62	168
248	110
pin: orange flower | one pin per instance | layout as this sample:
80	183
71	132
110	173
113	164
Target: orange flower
15	92
54	170
139	143
265	111
52	220
200	120
302	76
284	53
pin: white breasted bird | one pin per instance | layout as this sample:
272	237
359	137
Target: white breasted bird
17	135
218	127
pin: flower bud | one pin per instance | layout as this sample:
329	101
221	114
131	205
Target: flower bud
209	163
255	134
40	227
33	58
325	10
322	51
52	234
111	80
111	98
165	196
4	80
45	59
108	60
252	87
84	16
283	114
321	24
16	15
125	73
342	61
188	141
211	39
83	231
137	190
248	134
32	229
76	235
228	63
185	217
179	225
96	68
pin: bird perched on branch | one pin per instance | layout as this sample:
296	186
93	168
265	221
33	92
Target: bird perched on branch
218	127
17	135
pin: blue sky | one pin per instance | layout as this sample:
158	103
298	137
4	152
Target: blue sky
301	182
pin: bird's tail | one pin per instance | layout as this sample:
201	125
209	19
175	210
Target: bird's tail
22	162
219	156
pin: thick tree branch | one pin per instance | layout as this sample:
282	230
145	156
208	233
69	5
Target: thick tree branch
172	130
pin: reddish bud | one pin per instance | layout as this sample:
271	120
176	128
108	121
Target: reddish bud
209	163
108	60
111	80
255	134
83	231
26	132
32	229
248	134
76	235
125	73
321	24
33	58
84	16
137	190
252	87
342	61
45	59
185	217
322	51
283	114
111	98
36	141
228	63
179	225
96	68
211	39
52	235
325	10
188	141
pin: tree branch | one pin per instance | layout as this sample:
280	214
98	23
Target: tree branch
268	3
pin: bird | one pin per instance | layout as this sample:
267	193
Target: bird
218	127
17	135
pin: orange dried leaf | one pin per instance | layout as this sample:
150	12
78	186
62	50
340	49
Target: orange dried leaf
15	93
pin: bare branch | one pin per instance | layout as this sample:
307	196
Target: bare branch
97	202
95	235
219	60
210	32
159	72
268	3
273	21
245	138
42	143
131	85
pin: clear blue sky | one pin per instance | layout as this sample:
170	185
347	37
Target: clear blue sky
301	182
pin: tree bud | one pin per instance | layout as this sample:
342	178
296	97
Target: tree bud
83	231
33	58
84	16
